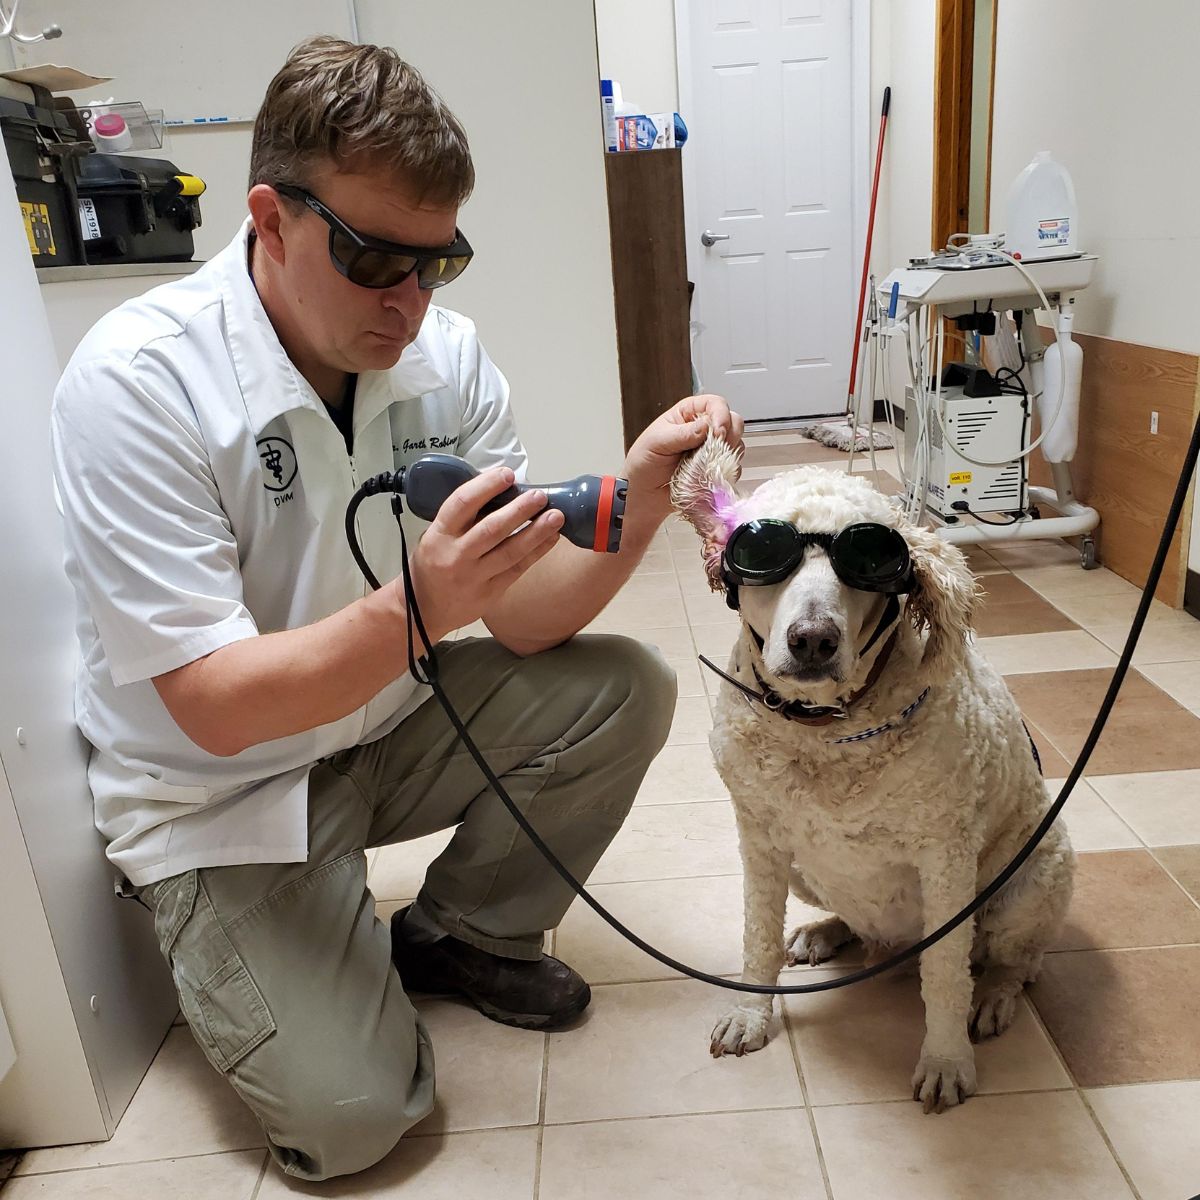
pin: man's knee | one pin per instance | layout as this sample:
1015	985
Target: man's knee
336	1128
649	688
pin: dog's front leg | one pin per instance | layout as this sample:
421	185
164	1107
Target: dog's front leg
945	1074
765	887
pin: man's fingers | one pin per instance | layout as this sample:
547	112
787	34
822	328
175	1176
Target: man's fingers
538	538
494	529
461	509
507	578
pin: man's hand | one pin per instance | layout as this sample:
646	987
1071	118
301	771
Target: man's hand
652	459
462	565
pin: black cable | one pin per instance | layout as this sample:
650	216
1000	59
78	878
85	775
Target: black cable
961	506
1018	861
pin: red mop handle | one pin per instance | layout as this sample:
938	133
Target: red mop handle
862	291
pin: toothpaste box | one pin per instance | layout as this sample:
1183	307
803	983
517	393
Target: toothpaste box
642	132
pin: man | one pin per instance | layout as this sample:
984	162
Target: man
254	723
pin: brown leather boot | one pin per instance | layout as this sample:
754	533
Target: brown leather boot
545	994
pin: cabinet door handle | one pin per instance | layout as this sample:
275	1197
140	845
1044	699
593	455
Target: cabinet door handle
708	238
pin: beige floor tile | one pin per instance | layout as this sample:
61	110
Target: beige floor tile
692	723
672	841
1091	824
1089	610
463	1042
231	1176
632	615
993	1148
655	561
712	1157
496	1164
682	775
1180	680
695	921
693	579
784	456
1183	864
1065	580
182	1107
1161	807
1160	642
709	609
688	679
1155	911
674	641
1123	1016
1025	555
1053	763
1155	1130
715	641
861	1043
1021	654
399	870
679	533
643	1051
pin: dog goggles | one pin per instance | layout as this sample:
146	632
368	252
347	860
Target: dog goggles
373	263
866	556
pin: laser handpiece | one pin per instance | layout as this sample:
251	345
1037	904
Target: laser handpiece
593	506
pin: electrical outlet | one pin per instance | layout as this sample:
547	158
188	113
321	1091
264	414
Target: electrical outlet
1154	422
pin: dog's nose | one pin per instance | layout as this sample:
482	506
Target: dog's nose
813	644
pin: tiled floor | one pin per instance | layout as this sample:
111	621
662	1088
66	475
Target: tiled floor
1094	1092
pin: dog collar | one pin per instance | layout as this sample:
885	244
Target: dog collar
798	710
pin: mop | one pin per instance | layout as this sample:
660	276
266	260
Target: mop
845	433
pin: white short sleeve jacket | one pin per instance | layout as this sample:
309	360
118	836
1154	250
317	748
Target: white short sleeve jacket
204	489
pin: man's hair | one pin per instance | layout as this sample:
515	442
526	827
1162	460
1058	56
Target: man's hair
363	109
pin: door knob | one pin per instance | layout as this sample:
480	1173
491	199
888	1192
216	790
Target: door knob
708	238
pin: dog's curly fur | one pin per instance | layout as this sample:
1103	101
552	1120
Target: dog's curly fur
895	834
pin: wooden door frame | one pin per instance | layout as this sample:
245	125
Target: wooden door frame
954	69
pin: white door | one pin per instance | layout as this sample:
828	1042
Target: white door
771	137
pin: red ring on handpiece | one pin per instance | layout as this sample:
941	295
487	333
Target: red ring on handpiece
604	507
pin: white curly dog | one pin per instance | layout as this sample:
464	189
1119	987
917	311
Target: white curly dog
892	832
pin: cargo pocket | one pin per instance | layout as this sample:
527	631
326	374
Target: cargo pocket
223	1006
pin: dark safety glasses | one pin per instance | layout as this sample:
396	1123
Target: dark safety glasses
373	263
866	556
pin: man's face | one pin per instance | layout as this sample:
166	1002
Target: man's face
348	327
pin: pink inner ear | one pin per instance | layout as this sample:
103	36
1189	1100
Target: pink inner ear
725	509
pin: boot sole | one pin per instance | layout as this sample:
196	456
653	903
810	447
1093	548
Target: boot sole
535	1021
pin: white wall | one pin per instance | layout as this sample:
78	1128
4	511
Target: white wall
908	154
636	40
1112	100
541	287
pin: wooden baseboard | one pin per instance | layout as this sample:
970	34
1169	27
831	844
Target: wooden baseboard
1123	470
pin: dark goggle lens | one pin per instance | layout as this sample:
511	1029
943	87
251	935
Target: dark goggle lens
872	553
438	272
381	269
763	547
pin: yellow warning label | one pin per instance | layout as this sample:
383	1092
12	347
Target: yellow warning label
37	228
960	477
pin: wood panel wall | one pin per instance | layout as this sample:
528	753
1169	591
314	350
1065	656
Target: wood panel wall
1123	470
650	286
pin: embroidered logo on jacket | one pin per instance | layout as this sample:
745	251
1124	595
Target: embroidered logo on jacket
278	462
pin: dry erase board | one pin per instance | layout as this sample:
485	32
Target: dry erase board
198	62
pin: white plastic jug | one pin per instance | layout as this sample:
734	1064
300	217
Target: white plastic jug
1043	221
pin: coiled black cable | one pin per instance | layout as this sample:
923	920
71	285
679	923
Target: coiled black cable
428	663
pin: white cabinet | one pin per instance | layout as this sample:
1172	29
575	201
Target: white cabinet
86	997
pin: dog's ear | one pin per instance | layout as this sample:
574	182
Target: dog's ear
944	600
704	491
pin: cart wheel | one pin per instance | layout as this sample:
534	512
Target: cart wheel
1087	554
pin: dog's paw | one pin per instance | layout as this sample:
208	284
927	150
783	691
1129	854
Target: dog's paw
993	1010
740	1031
942	1082
818	941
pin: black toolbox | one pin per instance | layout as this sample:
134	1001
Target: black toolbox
42	146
